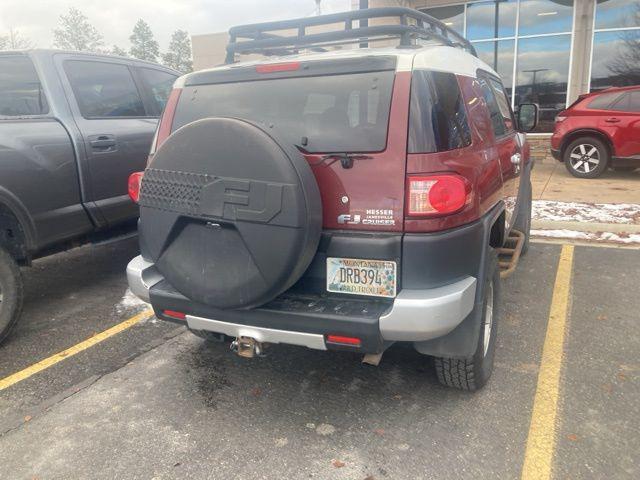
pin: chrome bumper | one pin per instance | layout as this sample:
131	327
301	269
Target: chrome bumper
416	315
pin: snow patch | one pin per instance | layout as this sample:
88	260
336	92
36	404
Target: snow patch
611	237
131	302
622	213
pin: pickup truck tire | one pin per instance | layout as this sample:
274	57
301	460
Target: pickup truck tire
586	157
230	215
523	217
473	372
11	294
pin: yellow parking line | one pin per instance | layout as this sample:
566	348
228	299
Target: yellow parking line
71	351
540	442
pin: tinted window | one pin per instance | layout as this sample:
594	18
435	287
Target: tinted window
20	88
437	119
452	17
602	102
159	84
503	104
104	89
333	113
482	16
616	56
545	16
497	119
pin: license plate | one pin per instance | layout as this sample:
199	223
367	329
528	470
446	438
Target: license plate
355	276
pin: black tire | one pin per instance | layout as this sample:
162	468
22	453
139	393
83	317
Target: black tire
624	169
11	294
472	373
580	157
523	217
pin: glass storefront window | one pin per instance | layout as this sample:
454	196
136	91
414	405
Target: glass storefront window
545	16
452	17
617	13
543	75
494	19
504	64
616	59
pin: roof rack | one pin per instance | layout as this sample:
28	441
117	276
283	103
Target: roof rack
413	25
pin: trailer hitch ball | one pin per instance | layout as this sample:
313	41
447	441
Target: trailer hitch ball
247	347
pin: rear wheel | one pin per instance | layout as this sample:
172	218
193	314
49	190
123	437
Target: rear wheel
11	294
472	373
586	157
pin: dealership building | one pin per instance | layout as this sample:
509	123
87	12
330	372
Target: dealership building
546	51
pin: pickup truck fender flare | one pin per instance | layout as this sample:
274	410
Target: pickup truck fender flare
17	208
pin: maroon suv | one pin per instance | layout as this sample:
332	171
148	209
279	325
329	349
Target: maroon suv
599	130
341	200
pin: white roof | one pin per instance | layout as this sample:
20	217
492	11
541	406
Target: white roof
429	57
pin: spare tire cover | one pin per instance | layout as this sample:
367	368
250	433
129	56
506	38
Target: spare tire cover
230	216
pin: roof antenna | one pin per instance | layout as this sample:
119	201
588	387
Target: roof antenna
318	8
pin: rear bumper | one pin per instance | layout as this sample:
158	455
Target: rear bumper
303	319
441	285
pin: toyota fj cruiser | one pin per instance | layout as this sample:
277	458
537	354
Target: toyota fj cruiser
339	200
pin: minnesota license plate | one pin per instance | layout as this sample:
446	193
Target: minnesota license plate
361	277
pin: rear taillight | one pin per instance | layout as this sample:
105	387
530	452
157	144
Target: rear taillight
434	195
166	122
135	182
342	340
174	314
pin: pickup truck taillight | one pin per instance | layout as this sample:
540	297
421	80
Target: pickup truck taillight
435	195
135	182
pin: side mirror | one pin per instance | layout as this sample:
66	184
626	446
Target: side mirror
528	117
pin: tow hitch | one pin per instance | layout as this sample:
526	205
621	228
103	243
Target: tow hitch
509	254
247	347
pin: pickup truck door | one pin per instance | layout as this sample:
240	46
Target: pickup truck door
117	126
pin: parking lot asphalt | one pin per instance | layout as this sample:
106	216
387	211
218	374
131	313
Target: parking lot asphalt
154	401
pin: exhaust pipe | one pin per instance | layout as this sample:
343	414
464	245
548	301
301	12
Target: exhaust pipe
247	347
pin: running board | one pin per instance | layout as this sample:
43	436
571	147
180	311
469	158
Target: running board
509	254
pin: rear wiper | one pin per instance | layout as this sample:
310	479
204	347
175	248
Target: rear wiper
346	159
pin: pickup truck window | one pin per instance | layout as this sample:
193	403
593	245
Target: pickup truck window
104	89
20	88
159	84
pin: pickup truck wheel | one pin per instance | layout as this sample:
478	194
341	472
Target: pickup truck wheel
523	217
472	373
11	294
586	157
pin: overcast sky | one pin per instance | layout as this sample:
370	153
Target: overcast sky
114	19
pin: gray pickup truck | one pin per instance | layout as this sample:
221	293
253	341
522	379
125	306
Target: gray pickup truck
73	127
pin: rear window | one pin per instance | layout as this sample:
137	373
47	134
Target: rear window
437	118
20	88
334	113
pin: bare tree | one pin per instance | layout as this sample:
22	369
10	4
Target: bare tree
76	33
626	63
14	41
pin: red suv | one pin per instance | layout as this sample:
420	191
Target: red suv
599	130
338	200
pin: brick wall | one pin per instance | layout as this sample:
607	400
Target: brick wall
540	148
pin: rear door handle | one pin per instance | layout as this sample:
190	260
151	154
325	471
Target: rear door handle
612	120
103	143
